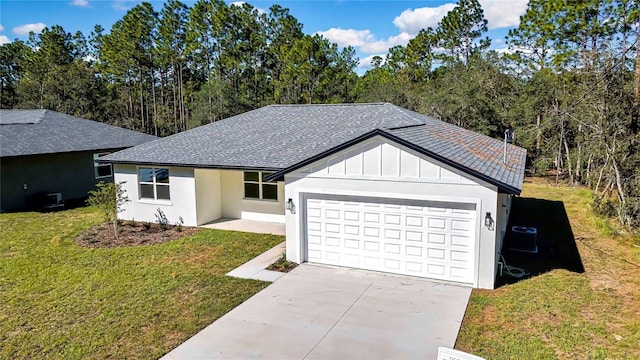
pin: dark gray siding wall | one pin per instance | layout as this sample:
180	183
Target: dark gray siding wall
71	174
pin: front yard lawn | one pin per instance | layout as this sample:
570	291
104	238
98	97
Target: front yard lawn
60	300
564	313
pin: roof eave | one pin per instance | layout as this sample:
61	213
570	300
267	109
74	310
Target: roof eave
188	165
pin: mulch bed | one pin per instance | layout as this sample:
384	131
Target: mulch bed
131	234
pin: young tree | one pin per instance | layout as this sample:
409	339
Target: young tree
109	198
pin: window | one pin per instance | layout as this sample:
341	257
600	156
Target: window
101	170
255	187
154	183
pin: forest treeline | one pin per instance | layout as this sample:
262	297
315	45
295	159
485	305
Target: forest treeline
568	81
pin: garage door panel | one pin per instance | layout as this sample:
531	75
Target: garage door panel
398	237
436	238
351	215
372	246
352	259
461	240
372	261
436	223
414	221
461	256
413	236
460	225
414	268
332	214
413	251
314	225
352	244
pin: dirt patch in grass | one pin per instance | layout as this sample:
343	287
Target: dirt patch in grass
131	234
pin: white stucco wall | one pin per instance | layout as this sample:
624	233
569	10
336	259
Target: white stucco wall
235	206
208	195
504	208
199	196
380	168
182	192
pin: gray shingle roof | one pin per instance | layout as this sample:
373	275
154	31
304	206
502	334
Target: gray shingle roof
31	132
481	155
279	137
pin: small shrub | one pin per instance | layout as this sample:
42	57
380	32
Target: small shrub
179	224
282	264
161	219
110	198
147	225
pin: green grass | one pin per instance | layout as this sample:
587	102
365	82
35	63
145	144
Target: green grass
563	314
59	300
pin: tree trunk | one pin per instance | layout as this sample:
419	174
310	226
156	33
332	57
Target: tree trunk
181	108
142	122
175	100
618	181
559	154
566	149
155	106
538	133
577	173
635	112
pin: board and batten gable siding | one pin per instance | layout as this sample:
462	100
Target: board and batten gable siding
380	168
182	187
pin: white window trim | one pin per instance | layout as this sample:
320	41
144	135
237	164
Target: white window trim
96	164
259	183
155	186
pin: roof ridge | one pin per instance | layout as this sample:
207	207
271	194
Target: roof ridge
404	127
43	113
401	111
336	104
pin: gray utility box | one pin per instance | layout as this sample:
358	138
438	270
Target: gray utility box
524	239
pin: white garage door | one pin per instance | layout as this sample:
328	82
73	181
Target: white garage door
428	239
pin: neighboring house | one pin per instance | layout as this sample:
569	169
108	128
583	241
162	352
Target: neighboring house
47	157
371	186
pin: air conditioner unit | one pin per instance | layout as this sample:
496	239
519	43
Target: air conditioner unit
52	200
524	239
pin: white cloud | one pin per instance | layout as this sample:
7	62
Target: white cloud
1	28
80	2
505	50
412	21
364	39
346	37
27	28
123	5
503	13
4	40
499	14
240	3
365	64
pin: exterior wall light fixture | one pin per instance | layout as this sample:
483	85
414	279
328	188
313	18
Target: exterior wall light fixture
488	221
290	206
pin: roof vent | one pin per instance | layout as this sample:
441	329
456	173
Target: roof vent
508	138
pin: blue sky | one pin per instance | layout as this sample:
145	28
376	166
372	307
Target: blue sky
370	26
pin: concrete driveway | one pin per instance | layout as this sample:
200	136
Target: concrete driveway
317	312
